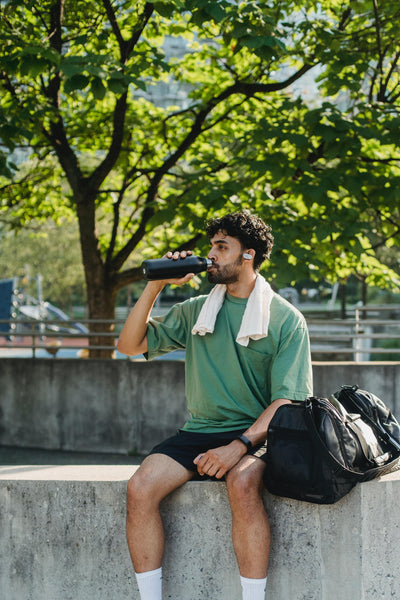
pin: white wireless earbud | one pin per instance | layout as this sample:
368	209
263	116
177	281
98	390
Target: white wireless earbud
247	256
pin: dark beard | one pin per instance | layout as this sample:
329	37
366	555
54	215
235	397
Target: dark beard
226	274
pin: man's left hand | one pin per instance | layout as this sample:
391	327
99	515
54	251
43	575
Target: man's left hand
218	461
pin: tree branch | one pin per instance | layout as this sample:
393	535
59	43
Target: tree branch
103	169
390	73
135	274
114	24
384	161
56	134
124	253
247	89
114	232
100	173
392	235
126	46
378	35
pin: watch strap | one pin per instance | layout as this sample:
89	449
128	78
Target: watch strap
245	441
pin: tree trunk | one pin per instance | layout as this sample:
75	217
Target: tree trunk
101	300
342	292
364	292
101	290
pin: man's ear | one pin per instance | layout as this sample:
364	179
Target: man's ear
249	254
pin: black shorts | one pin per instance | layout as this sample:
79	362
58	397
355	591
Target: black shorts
186	445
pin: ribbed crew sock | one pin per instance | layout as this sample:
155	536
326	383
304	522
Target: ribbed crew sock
149	584
253	589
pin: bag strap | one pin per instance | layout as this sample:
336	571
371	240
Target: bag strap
312	428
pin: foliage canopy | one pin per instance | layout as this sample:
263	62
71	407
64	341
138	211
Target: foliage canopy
142	119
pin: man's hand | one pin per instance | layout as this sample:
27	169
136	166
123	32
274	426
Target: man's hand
218	461
174	256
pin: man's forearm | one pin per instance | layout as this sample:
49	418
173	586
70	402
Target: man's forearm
219	461
257	432
133	337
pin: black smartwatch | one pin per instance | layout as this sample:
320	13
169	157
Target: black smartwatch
245	441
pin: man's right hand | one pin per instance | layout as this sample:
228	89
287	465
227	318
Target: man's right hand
133	337
181	280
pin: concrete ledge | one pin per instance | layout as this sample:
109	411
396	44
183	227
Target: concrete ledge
62	537
122	406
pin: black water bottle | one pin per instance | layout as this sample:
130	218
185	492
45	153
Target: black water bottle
169	268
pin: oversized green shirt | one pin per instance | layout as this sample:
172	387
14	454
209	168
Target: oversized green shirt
228	385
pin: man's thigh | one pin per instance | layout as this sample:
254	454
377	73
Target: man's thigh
160	475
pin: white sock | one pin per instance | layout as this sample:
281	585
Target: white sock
253	589
149	584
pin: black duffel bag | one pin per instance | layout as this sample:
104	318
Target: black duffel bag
319	449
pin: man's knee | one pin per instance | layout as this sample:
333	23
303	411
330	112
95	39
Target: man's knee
140	489
244	482
157	477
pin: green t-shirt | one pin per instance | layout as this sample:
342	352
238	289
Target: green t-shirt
228	385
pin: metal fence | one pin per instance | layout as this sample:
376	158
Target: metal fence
356	338
55	337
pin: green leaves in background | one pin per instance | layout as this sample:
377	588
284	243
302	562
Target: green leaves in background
143	119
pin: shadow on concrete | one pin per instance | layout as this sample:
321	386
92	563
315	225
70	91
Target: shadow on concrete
35	456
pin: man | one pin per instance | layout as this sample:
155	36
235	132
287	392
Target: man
247	353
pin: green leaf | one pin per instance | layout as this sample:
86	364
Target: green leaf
76	82
116	86
30	65
165	9
98	88
72	65
216	11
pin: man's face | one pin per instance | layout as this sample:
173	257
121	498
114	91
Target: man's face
226	255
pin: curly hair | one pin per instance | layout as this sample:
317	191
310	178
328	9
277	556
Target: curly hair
249	229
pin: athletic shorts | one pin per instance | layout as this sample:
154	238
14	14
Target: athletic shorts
186	445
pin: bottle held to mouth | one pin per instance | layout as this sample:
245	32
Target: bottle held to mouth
169	268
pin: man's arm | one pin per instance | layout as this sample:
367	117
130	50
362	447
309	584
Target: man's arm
257	433
133	337
218	461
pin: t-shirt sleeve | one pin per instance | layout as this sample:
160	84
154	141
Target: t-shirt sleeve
167	333
291	371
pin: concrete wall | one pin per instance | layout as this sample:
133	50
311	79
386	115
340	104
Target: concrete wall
96	405
123	406
62	536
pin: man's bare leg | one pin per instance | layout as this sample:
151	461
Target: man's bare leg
158	476
250	524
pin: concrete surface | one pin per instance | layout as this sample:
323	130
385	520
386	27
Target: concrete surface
125	407
90	406
62	538
11	455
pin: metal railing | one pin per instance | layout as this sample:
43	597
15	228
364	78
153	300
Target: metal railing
353	339
51	336
357	338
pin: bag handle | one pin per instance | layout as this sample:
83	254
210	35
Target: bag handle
310	423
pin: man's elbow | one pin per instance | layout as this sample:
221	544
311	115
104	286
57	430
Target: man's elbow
126	347
122	347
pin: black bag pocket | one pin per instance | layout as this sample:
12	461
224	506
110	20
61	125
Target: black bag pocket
296	468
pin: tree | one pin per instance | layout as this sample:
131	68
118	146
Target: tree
48	252
80	100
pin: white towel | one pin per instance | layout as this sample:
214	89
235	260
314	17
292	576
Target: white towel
256	316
